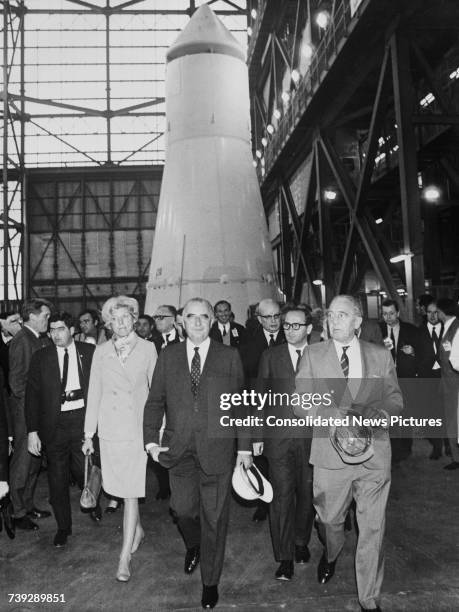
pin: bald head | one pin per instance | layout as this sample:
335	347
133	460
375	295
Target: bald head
268	312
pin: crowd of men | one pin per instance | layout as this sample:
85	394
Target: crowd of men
283	349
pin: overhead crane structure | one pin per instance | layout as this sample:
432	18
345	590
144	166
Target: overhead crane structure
351	119
82	102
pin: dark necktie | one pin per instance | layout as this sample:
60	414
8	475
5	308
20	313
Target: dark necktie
344	361
394	348
435	340
298	360
65	370
272	342
167	338
195	371
224	330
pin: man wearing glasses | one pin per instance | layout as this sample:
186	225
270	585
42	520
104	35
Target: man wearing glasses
292	512
358	375
165	332
269	334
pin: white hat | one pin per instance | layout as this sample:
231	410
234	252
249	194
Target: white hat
251	484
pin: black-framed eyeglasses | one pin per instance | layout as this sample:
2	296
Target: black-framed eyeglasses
294	326
273	316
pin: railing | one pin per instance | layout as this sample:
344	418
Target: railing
327	50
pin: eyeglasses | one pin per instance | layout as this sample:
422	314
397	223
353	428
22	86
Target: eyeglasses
294	326
161	317
339	316
274	317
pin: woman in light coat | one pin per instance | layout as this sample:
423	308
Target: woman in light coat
120	379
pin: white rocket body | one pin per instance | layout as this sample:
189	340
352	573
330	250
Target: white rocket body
211	237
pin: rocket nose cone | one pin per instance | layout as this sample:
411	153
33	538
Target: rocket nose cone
205	33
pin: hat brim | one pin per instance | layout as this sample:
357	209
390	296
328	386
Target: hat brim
251	484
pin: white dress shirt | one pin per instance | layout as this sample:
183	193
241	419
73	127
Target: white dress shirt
203	350
353	355
269	334
293	353
73	378
437	328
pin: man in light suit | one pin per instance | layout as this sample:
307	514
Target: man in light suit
291	514
24	467
358	374
185	386
55	403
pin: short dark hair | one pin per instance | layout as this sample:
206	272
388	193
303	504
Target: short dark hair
304	308
92	313
425	299
388	303
63	316
222	302
448	307
34	307
147	318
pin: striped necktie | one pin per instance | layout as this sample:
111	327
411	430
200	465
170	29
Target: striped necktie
195	372
344	361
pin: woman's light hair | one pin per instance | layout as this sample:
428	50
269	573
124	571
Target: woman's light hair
120	301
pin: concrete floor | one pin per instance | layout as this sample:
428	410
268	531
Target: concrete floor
422	558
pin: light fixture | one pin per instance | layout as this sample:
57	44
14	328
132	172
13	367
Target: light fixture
317	282
307	50
378	221
323	19
277	113
258	153
264	142
249	31
254	163
431	193
262	161
285	96
295	76
401	257
270	129
253	13
330	195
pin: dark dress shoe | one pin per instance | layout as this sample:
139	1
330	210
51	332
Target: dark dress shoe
209	597
25	523
35	514
60	539
96	514
113	509
302	554
454	465
325	569
260	514
191	559
163	494
8	521
284	571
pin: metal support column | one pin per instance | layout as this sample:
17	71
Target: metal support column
405	103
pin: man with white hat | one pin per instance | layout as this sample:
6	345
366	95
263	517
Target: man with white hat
359	375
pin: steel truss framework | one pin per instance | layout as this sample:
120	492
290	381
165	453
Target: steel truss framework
374	111
118	128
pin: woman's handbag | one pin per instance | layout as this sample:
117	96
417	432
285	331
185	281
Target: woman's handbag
92	484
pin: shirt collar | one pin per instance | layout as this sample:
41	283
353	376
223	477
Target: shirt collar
204	345
61	349
35	333
339	345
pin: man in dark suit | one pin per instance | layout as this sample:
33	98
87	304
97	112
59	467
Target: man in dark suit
165	332
24	467
402	340
223	329
429	371
267	335
56	393
370	332
360	375
187	382
291	515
